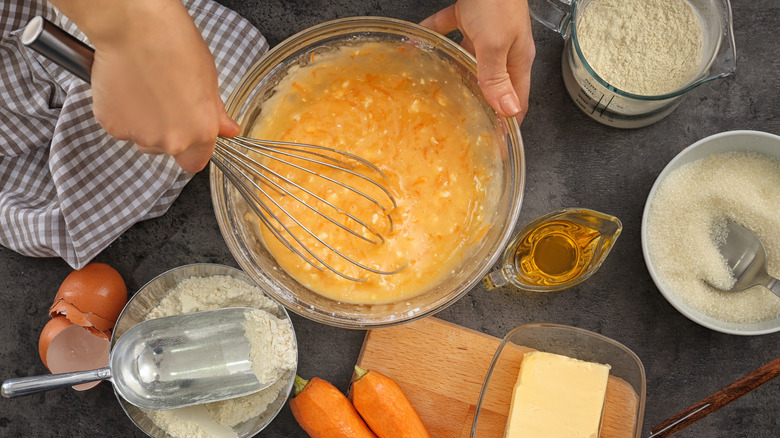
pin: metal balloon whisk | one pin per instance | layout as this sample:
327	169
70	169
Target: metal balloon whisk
252	167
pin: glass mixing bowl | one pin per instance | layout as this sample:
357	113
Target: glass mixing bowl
246	104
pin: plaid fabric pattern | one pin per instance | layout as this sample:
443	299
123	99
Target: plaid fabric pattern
67	188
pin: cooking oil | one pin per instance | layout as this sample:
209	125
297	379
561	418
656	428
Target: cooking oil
557	251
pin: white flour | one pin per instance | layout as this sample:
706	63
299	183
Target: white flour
273	355
645	47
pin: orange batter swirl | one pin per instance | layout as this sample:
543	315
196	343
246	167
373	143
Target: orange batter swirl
409	113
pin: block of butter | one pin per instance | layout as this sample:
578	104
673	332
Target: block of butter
557	397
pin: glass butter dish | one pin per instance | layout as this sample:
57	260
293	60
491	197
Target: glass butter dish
626	389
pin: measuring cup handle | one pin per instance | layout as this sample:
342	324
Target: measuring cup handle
30	385
554	14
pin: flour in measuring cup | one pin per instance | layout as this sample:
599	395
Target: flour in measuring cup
645	47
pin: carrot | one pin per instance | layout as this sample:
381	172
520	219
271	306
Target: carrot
300	87
384	407
324	412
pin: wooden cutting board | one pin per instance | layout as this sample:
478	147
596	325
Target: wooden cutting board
441	367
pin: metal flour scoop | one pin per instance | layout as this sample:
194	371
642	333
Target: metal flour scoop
169	362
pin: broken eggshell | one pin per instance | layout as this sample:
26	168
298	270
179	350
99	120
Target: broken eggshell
93	296
76	349
50	330
84	312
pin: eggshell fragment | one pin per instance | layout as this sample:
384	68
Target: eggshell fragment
76	349
84	312
93	296
50	330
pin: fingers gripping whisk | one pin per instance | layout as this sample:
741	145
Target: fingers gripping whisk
253	167
304	193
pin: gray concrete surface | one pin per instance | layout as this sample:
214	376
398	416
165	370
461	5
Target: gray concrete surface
571	161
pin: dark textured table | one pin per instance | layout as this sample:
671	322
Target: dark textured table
571	161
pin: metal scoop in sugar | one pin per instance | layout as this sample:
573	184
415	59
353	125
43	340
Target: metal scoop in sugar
746	258
170	362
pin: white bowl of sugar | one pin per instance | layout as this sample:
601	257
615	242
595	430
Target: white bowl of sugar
735	175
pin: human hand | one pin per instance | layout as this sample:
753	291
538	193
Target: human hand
498	33
154	81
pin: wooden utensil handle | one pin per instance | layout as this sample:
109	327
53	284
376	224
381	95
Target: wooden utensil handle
717	400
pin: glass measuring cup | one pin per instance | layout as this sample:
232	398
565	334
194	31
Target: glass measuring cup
614	107
556	251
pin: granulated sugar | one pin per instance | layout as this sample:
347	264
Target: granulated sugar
687	218
645	47
273	354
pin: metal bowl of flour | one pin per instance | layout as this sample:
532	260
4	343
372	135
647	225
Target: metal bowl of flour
149	296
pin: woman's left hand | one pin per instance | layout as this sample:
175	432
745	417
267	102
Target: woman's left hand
498	33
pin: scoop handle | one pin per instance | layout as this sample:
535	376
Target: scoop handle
30	385
774	285
62	48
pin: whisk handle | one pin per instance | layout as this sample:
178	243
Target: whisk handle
59	46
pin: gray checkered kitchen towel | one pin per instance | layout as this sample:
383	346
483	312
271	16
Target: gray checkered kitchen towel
67	188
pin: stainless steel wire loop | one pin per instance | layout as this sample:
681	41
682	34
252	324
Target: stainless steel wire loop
243	161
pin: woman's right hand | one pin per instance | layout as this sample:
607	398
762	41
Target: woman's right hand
154	81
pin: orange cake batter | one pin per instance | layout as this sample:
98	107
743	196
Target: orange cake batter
408	113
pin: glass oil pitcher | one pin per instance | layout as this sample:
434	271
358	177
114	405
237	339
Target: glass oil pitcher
556	251
614	107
